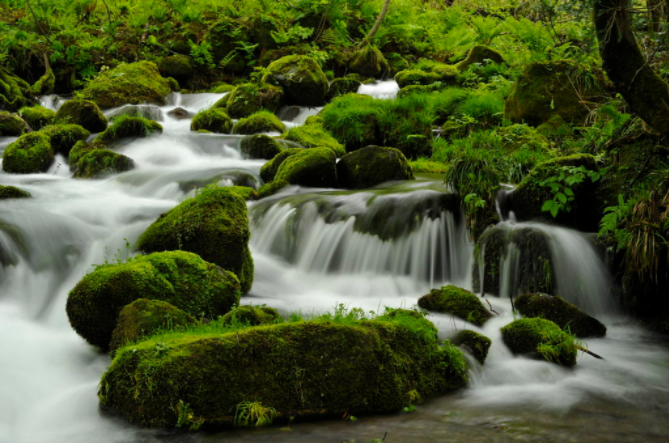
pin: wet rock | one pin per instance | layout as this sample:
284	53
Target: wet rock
260	146
64	137
250	98
474	343
12	125
541	339
301	78
29	154
262	121
371	166
37	117
127	126
98	163
7	192
456	301
213	120
271	188
313	167
82	112
269	169
180	114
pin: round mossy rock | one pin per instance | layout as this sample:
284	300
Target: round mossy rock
179	67
541	339
263	121
98	163
84	113
29	154
64	137
368	61
127	126
251	316
269	169
12	125
37	117
79	149
7	192
371	166
245	192
416	77
214	224
476	344
315	167
302	80
479	54
342	86
213	120
260	146
271	188
456	301
247	99
314	135
15	92
180	278
45	85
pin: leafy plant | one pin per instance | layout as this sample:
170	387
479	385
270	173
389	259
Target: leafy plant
561	185
254	414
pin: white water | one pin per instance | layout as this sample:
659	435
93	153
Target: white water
384	90
48	375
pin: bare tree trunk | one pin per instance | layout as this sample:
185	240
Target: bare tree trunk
645	92
377	25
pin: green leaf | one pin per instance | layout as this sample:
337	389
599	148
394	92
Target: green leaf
569	192
560	196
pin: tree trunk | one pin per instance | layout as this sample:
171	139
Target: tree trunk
377	25
645	92
655	14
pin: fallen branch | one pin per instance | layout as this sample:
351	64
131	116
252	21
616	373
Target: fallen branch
490	306
581	348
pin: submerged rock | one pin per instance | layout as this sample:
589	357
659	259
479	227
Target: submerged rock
271	188
371	166
541	339
31	153
84	113
98	163
301	78
313	167
7	192
128	126
456	301
260	146
474	343
179	114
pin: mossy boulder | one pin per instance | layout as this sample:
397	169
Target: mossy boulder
263	121
15	93
314	135
245	192
7	192
79	149
271	188
98	163
250	98
479	54
82	112
12	125
179	67
456	301
221	88
315	167
302	80
342	86
368	61
222	103
545	89
29	154
541	339
37	117
251	316
269	169
126	126
416	77
45	84
214	224
561	312
555	128
212	120
516	137
371	166
64	137
143	318
260	146
300	369
133	83
474	343
180	278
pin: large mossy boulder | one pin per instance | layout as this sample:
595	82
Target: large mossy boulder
368	61
315	368
133	84
83	113
371	166
98	163
7	192
342	86
12	125
479	54
546	89
143	318
30	153
315	167
541	339
126	126
80	149
271	188
251	316
561	312
302	80
37	117
314	136
212	120
179	67
15	93
245	100
474	343
269	169
457	302
214	224
263	121
180	278
259	146
64	137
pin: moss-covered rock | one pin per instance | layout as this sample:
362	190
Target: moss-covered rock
479	54
263	121
555	128
180	278
128	126
541	339
371	166
271	188
7	192
301	78
15	93
79	149
560	312
133	83
368	61
342	86
212	120
98	163
45	84
260	146
222	103
143	318
250	98
12	125
515	137
82	112
221	88
64	137
245	192
214	224
313	167
300	369
251	316
314	135
476	344
179	67
37	117
269	169
416	77
29	154
456	301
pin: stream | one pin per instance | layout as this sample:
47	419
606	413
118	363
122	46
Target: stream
313	249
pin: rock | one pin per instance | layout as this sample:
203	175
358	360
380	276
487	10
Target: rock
178	67
222	103
560	312
271	188
221	88
133	83
368	61
64	137
269	169
15	93
262	121
313	167
478	54
250	98
213	224
98	163
213	120
318	369
541	339
126	126
143	318
79	149
476	344
45	85
180	278
260	146
245	192
82	112
416	77
30	154
301	78
251	316
371	166
352	120
7	192
37	117
456	301
180	114
313	136
342	86
12	125
555	128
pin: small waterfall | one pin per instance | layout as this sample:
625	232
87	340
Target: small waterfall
383	90
508	270
52	101
150	112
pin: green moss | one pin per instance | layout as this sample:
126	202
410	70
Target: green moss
128	126
312	136
342	86
45	84
542	339
260	146
425	166
555	128
252	316
180	278
82	112
477	344
11	125
225	37
368	61
313	167
222	103
29	154
456	301
271	188
262	121
64	137
15	93
353	120
7	192
37	117
301	78
250	98
98	163
269	169
143	318
213	224
319	368
133	83
213	120
220	89
79	149
478	54
371	166
245	192
178	67
415	77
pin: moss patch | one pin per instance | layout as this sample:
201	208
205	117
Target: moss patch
260	146
37	117
29	154
456	301
476	344
478	54
64	137
371	166
251	316
212	120
342	86
310	167
301	78
368	61
263	121
313	136
128	126
250	98
271	188
98	163
15	93
541	339
178	67
7	192
269	169
11	125
82	112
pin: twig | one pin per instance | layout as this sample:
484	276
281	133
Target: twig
37	22
104	2
490	306
581	348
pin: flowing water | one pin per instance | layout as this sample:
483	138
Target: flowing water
313	249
